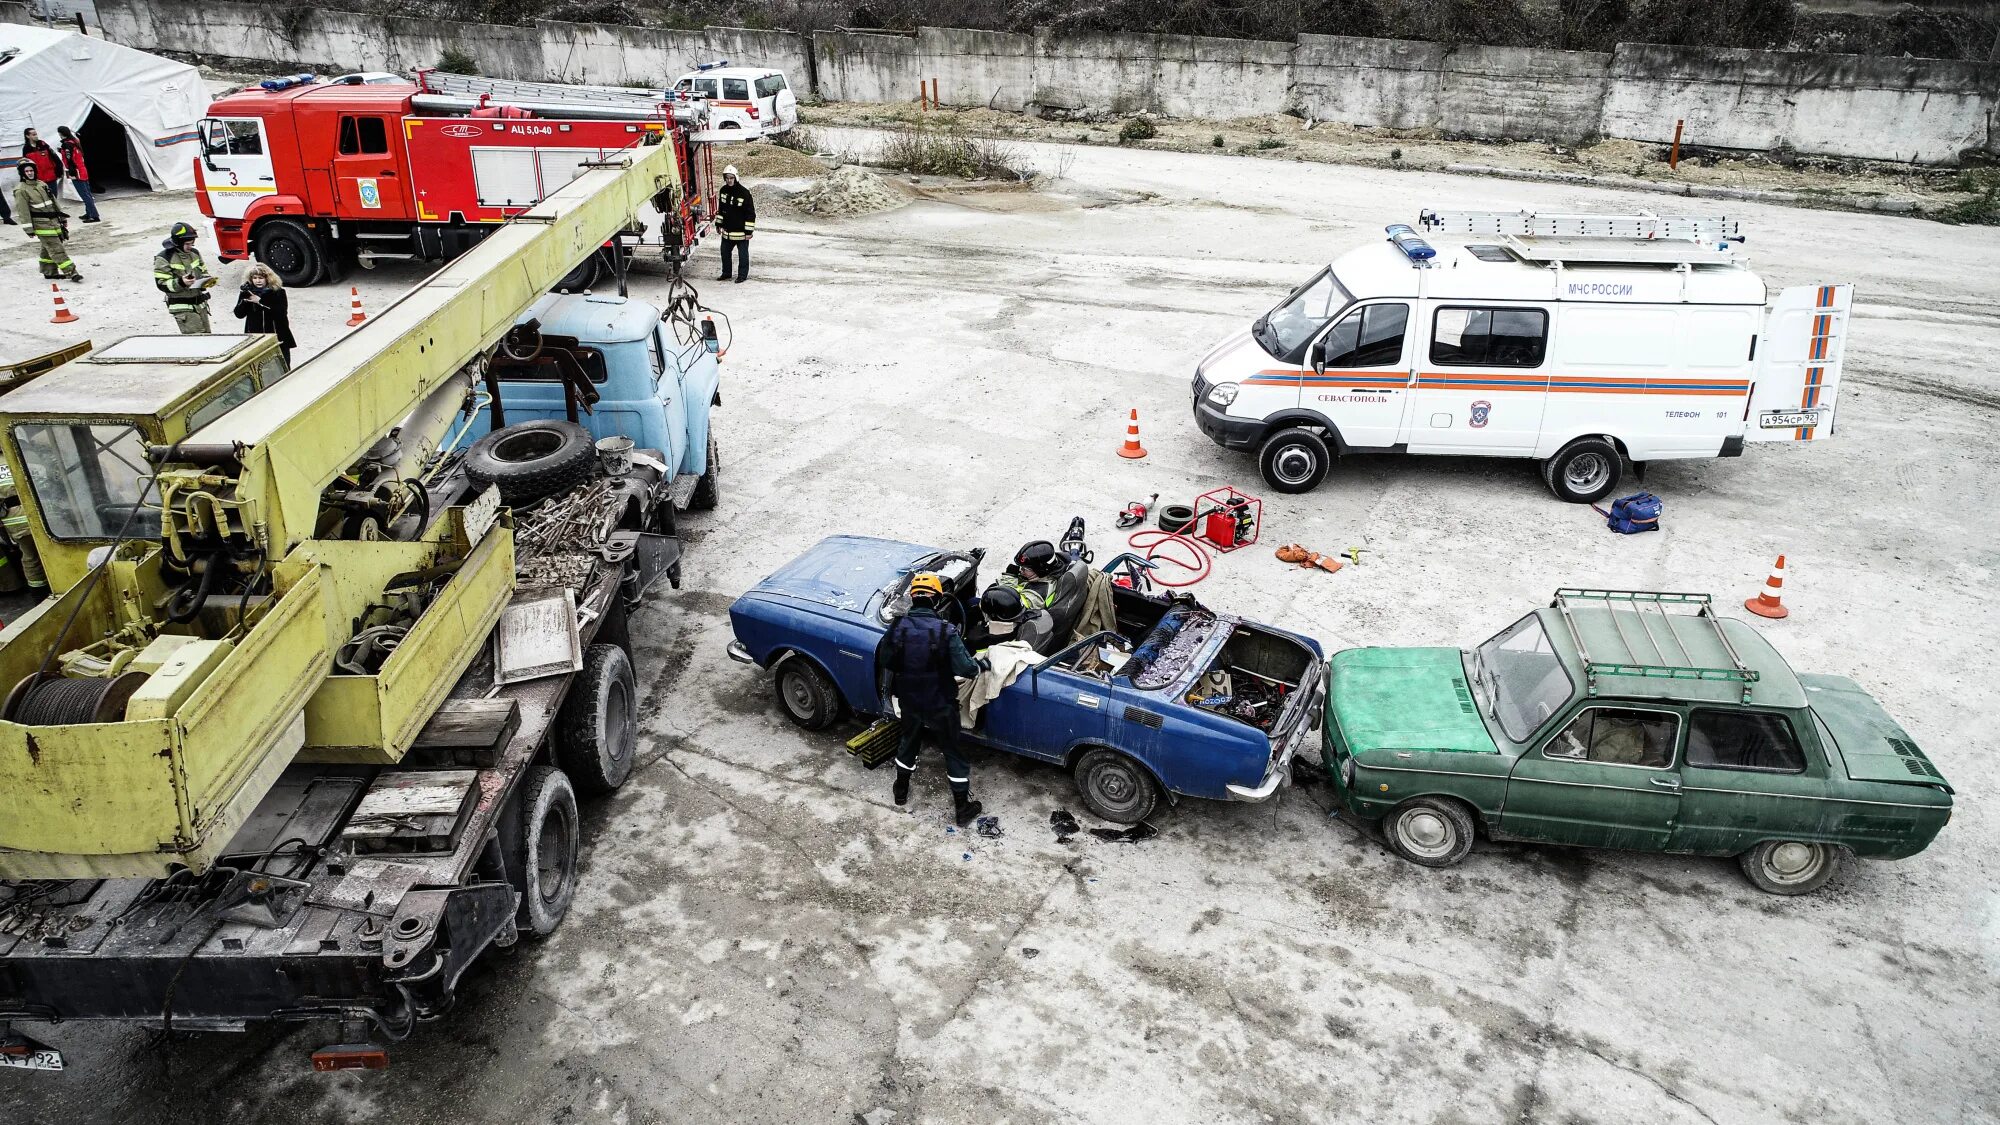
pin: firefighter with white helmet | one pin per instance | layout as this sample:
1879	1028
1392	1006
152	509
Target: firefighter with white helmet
736	218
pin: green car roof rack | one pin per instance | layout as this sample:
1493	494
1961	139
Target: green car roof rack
1655	660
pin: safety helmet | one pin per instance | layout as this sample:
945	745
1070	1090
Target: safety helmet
1002	603
1037	559
926	585
182	232
27	169
729	170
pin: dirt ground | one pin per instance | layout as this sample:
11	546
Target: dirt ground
1845	184
762	936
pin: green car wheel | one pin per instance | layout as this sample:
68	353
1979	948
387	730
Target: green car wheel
1430	831
1788	867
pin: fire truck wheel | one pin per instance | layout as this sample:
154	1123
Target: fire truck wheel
531	460
544	866
599	722
584	275
1584	471
291	251
1294	460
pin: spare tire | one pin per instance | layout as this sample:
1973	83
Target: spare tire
532	460
1176	517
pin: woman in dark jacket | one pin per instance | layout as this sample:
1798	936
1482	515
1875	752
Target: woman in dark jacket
261	304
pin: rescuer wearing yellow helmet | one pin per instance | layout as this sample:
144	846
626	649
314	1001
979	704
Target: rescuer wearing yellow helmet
925	657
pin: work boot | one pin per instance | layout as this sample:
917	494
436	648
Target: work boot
724	277
964	808
743	279
901	790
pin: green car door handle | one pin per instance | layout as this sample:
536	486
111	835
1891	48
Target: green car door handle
1667	782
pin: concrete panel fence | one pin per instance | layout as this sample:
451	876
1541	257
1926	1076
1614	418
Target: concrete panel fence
1923	110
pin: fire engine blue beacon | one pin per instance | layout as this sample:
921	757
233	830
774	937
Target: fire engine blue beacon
1406	240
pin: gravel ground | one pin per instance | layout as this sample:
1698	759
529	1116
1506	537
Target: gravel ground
762	936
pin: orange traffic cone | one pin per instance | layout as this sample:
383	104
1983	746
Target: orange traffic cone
63	315
354	300
1132	449
1767	603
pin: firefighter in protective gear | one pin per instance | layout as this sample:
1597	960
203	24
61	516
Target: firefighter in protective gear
180	273
925	657
1048	579
45	221
736	218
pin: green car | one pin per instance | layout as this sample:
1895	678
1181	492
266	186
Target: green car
1623	719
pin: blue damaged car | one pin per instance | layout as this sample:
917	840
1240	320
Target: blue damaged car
1177	701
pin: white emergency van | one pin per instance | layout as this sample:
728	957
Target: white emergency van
745	102
1584	341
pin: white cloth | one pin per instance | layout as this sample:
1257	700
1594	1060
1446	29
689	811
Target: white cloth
1008	659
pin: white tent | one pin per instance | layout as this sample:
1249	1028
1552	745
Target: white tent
107	93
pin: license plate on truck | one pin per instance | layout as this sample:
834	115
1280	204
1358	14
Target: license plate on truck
22	1053
1787	419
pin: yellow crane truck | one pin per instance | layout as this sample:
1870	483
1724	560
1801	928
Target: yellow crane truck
298	734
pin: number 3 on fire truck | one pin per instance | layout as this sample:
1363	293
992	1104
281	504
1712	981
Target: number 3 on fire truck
371	196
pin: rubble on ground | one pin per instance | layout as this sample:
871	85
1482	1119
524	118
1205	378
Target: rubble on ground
848	190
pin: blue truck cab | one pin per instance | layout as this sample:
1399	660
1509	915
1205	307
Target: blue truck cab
652	386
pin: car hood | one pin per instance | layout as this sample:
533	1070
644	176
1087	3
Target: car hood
1236	358
842	571
1405	699
1873	746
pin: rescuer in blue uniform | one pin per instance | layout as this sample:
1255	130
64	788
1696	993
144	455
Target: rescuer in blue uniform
925	658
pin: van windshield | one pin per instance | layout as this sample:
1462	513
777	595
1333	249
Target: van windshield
1285	331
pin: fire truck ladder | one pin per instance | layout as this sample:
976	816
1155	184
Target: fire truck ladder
462	93
1640	238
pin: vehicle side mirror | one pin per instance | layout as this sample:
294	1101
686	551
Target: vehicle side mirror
1319	357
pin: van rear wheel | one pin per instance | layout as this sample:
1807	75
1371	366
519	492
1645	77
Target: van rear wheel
1294	460
1584	471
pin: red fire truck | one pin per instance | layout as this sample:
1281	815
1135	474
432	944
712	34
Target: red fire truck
311	176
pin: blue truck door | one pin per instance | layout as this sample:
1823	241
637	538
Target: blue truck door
700	379
673	405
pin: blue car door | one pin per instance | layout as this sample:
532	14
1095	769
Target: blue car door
1046	711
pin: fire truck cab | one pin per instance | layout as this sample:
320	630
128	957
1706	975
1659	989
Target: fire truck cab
311	176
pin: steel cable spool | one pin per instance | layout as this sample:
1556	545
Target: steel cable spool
49	700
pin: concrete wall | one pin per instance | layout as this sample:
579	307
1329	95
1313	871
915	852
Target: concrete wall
14	11
1926	110
1892	109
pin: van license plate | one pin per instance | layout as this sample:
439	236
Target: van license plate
1788	419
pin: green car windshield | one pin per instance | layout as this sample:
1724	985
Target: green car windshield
1518	678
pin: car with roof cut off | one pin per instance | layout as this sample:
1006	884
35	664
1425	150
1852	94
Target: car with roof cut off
1632	720
1178	700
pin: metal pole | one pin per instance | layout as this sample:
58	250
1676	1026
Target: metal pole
1674	158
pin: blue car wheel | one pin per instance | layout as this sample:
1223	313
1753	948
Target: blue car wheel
1115	787
805	694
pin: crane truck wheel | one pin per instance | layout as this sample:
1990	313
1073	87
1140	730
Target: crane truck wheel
599	722
530	460
544	864
584	275
291	251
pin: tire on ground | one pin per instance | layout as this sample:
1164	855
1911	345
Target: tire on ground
1116	788
1789	867
1429	831
1176	517
598	724
1584	471
708	487
292	252
805	694
1294	460
532	460
544	866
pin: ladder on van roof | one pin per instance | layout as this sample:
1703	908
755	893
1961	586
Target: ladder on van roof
1535	224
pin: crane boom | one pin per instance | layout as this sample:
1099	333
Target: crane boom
294	440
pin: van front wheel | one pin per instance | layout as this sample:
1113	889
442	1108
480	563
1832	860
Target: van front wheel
1294	460
1584	471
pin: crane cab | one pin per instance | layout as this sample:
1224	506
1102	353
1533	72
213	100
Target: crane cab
75	438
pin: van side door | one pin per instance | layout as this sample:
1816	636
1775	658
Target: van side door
1357	375
1482	378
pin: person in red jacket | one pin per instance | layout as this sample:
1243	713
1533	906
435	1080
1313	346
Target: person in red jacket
48	165
71	150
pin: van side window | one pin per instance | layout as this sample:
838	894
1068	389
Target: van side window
1743	740
736	89
1490	337
1381	338
770	84
704	88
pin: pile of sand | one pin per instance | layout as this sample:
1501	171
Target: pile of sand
762	161
848	190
